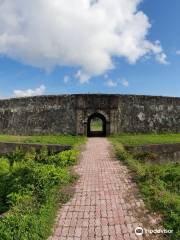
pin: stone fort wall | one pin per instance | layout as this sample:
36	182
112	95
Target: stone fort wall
68	114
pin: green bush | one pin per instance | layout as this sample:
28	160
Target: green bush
43	155
30	156
4	166
68	158
33	225
23	199
63	159
35	177
16	156
29	189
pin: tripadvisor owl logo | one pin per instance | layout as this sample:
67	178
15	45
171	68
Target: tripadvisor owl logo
139	231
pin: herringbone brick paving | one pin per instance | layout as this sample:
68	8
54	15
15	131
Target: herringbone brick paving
106	205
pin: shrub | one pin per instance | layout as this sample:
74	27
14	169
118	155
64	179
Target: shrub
26	226
29	190
17	155
63	159
30	156
43	155
34	177
68	158
4	166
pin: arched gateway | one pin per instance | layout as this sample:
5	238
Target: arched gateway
100	125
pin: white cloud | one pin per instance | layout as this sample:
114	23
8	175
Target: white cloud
79	33
30	92
125	83
178	52
115	83
162	58
66	79
82	77
111	83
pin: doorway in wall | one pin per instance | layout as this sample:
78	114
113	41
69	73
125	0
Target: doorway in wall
96	125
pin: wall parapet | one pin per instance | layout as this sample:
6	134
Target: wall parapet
162	152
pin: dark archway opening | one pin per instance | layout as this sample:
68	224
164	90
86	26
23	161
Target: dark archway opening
96	125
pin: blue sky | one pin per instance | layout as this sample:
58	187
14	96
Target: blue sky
144	76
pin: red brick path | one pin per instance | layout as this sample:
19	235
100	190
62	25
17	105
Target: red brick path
105	205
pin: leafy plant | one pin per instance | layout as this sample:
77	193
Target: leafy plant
4	166
17	155
30	188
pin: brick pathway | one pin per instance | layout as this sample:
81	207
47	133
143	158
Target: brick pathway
105	205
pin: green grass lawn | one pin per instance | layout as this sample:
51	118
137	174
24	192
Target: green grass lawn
61	139
159	184
142	139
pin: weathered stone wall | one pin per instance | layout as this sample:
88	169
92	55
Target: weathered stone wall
68	114
9	147
149	114
38	115
163	153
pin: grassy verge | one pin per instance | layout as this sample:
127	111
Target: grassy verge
142	139
31	189
62	139
158	184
